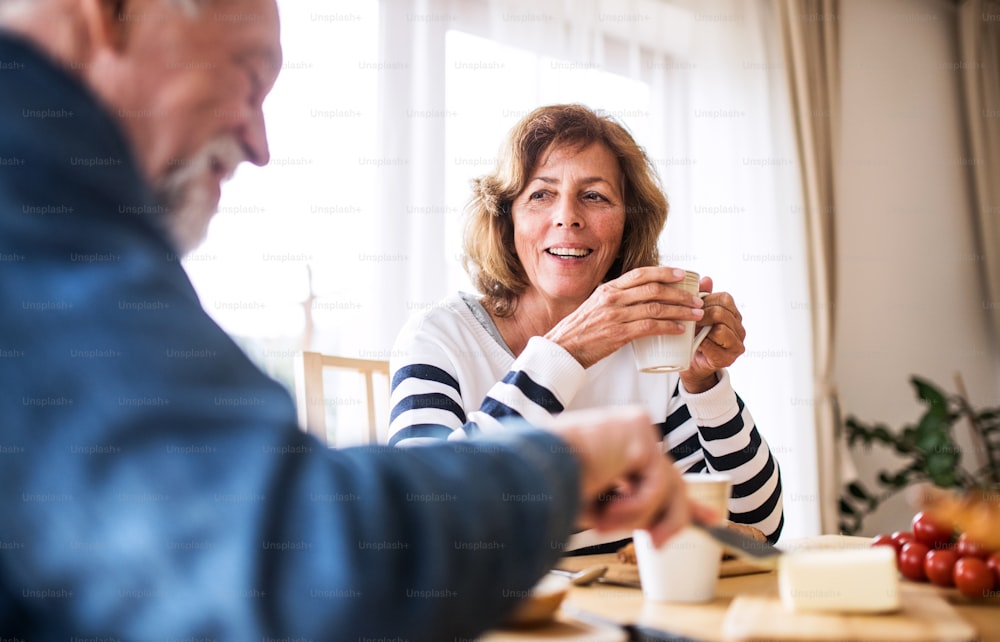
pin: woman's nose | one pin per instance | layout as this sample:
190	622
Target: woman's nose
566	214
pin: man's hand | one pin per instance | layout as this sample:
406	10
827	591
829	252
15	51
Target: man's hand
626	479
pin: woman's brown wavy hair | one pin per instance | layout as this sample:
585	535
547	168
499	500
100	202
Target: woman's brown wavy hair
488	239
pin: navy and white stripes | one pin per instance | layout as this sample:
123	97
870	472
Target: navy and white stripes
453	380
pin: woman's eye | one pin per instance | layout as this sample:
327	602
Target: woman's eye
537	195
594	196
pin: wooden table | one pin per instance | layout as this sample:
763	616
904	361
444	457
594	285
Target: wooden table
705	621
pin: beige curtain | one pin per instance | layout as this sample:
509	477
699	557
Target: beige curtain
979	49
810	46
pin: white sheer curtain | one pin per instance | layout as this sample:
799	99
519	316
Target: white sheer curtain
810	42
700	84
737	216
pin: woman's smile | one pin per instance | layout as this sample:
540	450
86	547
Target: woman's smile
568	223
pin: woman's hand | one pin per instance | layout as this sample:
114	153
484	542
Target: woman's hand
639	303
723	344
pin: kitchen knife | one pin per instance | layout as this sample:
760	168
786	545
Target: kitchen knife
760	553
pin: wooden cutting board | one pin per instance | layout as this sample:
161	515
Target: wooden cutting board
629	573
925	615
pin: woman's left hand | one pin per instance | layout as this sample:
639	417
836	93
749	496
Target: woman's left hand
723	344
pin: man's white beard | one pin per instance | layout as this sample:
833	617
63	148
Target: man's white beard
185	192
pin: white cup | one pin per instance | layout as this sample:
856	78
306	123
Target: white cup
671	352
686	567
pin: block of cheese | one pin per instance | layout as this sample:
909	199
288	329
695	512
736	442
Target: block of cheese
860	580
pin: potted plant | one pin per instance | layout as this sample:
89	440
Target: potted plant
929	450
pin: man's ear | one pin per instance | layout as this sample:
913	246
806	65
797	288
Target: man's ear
106	23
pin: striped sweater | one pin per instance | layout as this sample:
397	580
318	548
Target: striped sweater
453	376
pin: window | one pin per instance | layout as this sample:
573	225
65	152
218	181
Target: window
310	211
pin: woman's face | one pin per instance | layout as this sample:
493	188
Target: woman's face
568	222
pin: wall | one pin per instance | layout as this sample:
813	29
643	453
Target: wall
909	298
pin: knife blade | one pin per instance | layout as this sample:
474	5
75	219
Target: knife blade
639	633
610	581
761	553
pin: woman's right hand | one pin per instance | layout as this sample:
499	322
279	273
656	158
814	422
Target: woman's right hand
639	303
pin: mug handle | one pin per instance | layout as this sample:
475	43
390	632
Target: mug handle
698	338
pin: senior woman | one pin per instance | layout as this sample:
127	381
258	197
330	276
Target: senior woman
561	242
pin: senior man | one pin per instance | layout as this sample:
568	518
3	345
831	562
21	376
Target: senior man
147	495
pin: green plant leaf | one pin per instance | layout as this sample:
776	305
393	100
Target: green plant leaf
895	480
932	441
882	434
858	491
930	394
901	479
855	431
944	479
941	466
858	431
988	426
932	421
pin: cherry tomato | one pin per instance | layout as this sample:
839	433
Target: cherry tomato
885	540
900	538
993	562
973	577
939	566
929	532
911	561
970	548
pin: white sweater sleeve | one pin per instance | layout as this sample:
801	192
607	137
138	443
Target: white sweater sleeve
540	384
425	397
427	379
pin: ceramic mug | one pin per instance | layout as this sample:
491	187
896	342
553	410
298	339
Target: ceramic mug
672	352
686	567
